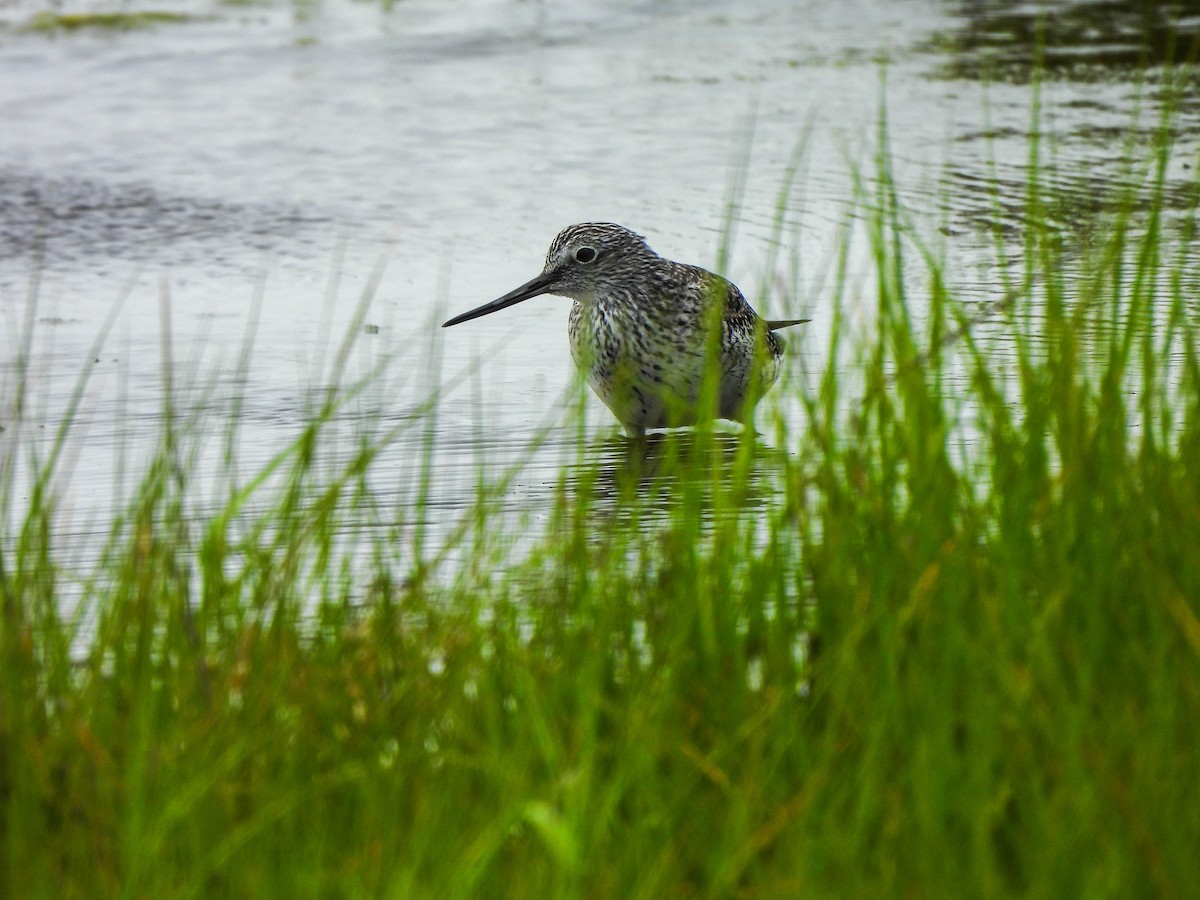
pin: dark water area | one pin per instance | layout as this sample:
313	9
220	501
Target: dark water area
1089	41
70	220
239	180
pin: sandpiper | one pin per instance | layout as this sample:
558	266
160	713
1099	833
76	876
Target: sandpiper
662	343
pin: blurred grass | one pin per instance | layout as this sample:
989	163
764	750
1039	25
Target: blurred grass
904	655
47	21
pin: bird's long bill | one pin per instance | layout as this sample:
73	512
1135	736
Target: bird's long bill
531	288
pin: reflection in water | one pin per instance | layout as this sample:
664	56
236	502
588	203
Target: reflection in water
702	474
1085	41
70	218
1075	201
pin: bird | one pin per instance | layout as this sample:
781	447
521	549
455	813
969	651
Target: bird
663	344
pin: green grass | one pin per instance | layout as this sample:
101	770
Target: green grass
103	21
902	654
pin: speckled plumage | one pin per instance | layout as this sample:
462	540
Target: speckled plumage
644	330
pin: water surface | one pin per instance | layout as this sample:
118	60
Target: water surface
247	170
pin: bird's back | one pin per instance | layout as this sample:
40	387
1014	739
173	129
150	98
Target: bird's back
648	349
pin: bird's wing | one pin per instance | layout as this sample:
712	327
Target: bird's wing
737	312
720	293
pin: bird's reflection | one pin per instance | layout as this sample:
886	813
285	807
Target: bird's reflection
710	472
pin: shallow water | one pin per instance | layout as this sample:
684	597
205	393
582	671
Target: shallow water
248	169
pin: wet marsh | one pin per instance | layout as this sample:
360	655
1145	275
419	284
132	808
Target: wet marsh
304	596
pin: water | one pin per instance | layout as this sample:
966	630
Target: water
266	157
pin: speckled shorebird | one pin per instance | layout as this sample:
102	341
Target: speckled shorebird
641	325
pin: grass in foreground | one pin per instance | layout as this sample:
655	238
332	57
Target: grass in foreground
923	665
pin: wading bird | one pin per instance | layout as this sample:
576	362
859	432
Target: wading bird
662	343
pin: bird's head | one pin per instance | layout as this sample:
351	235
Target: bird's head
583	261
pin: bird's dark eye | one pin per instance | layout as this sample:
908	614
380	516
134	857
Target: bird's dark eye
585	255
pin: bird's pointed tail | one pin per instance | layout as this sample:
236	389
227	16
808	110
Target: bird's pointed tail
776	324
